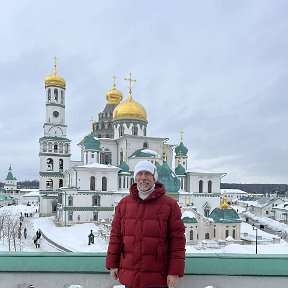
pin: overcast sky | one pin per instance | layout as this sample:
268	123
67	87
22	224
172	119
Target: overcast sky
216	69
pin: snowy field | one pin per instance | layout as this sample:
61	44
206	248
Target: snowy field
75	237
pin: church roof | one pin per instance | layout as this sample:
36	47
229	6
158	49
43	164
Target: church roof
180	170
114	96
189	220
224	213
168	178
144	152
181	150
55	80
124	166
130	109
91	143
10	175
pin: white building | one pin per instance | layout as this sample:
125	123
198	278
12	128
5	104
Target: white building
222	224
281	212
233	194
264	206
88	189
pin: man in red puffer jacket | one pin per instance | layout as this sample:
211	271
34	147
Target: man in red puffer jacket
147	242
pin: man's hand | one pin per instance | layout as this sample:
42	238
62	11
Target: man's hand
172	280
114	273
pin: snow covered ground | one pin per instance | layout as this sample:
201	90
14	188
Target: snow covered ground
75	238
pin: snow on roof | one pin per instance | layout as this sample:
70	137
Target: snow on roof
32	193
235	191
189	214
202	171
283	206
148	151
98	165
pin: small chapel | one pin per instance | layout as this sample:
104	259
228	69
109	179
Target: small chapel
88	189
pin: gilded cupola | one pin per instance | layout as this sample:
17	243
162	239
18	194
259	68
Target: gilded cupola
114	96
54	79
130	109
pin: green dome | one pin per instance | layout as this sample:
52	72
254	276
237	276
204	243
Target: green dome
144	152
225	215
90	143
10	175
124	167
181	150
180	170
168	178
158	166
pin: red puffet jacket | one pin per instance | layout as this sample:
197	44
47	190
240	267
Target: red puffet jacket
147	240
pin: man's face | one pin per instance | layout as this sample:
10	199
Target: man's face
145	180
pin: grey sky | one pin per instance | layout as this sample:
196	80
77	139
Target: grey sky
216	69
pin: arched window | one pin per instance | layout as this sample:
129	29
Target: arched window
182	183
54	206
134	130
70	216
95	216
104	183
234	234
60	183
95	200
66	148
49	95
55	148
226	233
49	147
206	235
62	97
70	201
119	186
44	146
50	164
56	95
49	184
60	165
144	131
121	131
60	147
92	183
209	186
200	186
191	234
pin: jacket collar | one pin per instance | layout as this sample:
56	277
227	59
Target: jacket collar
158	192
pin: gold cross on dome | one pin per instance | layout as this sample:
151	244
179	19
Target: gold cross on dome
114	80
130	84
55	64
181	135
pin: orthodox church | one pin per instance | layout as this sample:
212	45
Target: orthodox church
88	189
10	184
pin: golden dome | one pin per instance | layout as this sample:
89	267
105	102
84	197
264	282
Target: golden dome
114	96
130	109
55	80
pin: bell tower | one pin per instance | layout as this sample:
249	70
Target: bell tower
54	151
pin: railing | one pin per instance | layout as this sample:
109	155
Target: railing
59	270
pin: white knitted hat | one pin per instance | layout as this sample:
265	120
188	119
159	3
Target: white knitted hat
145	166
